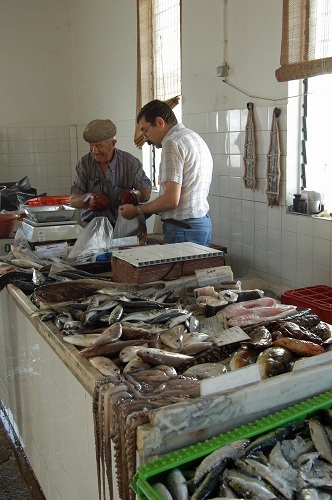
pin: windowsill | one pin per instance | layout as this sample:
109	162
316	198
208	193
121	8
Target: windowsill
314	216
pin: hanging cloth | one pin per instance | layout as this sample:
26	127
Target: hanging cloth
249	151
273	162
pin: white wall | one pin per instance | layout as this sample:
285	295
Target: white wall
65	62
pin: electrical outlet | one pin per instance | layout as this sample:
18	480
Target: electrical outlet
222	70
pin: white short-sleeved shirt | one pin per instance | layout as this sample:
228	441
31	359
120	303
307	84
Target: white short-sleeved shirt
186	160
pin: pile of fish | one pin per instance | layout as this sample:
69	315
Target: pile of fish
294	461
149	344
148	333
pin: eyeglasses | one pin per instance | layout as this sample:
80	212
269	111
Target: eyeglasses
144	132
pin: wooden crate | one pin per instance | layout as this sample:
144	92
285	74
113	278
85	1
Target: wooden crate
124	272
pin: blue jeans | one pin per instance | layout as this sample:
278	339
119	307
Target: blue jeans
200	232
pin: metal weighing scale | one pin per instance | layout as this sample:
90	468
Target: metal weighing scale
52	224
46	232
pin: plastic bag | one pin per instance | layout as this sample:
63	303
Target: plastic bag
14	194
93	240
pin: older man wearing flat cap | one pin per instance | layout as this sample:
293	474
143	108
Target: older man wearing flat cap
107	177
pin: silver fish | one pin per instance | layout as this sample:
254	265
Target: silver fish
115	315
176	484
320	439
162	491
193	337
178	319
155	356
233	450
110	334
80	339
206	370
145	316
247	486
269	474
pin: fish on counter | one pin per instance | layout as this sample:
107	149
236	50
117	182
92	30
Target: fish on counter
288	462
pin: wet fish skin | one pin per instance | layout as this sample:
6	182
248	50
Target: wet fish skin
247	486
320	439
268	473
162	491
243	357
155	356
112	349
210	482
115	315
105	366
232	450
299	347
273	361
110	334
176	485
80	340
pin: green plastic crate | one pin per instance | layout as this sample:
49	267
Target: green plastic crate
156	470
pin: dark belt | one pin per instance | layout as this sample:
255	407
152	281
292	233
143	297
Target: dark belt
179	223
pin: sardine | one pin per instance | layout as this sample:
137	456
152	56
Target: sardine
115	315
162	491
321	439
209	483
248	486
268	474
176	484
145	316
233	450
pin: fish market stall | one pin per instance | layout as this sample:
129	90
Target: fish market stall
89	411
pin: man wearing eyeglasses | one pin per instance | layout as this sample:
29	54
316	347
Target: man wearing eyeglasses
185	177
107	177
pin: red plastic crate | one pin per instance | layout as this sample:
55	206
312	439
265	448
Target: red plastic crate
318	298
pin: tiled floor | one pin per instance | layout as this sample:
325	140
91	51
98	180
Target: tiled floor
17	481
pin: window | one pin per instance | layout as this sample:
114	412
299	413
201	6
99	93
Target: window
318	144
306	53
158	63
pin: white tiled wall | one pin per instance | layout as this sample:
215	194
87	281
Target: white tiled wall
44	154
284	249
50	410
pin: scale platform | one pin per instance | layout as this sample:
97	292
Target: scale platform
148	263
44	232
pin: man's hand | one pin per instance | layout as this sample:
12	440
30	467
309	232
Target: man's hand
132	197
128	212
97	202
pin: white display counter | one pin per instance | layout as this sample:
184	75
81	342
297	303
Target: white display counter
46	388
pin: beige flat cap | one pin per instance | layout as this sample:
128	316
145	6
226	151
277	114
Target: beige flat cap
99	130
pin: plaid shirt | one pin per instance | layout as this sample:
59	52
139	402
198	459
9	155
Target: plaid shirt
186	160
125	171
